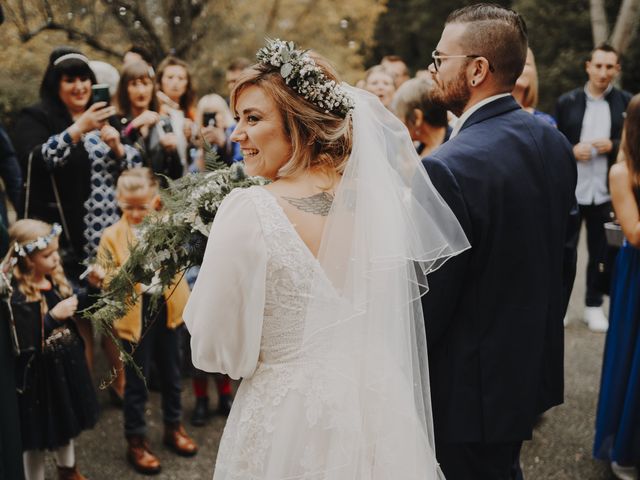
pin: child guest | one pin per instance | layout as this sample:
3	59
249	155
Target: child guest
145	332
55	395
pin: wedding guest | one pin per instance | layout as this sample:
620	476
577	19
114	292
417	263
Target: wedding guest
176	95
234	70
397	67
380	82
591	118
494	314
140	120
332	360
137	53
526	90
73	156
55	394
147	333
106	74
218	128
618	414
427	122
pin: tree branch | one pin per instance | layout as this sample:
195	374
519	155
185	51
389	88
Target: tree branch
273	15
72	33
599	24
626	25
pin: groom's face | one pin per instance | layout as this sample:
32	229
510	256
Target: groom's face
452	90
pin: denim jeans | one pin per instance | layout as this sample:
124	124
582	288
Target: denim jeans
162	344
594	216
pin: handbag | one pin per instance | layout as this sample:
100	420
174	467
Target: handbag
615	239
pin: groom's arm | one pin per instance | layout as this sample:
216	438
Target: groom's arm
447	283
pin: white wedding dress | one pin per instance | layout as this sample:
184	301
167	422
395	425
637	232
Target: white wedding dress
331	349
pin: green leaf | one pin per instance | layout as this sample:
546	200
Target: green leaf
286	69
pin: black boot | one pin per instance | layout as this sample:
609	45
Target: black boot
200	412
224	405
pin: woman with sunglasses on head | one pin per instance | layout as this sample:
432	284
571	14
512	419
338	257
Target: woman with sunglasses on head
71	157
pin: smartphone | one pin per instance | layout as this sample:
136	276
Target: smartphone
209	119
100	93
165	123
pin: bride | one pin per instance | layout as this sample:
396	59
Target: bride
310	287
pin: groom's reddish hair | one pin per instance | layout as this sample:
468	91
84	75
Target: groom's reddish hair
496	33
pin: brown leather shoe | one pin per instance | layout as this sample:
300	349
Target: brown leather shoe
141	457
176	438
70	473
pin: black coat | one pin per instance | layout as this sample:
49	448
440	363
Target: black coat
34	127
570	110
494	313
10	443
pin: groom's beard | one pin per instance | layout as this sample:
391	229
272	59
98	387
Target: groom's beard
452	96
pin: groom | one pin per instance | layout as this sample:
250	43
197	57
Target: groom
494	314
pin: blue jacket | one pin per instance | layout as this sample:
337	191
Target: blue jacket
494	313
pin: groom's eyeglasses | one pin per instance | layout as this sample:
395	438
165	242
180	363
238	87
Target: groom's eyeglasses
438	57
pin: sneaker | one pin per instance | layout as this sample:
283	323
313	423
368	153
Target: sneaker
624	473
595	319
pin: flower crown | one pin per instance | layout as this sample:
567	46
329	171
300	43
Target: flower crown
301	73
39	243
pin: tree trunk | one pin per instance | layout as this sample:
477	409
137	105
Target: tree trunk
626	25
599	25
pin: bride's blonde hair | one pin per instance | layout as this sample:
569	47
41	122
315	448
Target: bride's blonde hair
23	232
319	139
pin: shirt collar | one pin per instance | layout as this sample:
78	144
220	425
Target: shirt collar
465	116
601	97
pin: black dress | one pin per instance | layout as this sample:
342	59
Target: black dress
56	397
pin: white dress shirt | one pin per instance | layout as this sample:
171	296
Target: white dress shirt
591	188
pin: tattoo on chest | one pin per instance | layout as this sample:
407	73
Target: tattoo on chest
318	204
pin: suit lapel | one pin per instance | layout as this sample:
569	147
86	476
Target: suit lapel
495	108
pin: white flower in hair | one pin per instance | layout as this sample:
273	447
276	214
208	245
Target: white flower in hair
300	71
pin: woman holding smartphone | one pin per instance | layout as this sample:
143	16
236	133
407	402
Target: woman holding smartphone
176	96
141	122
71	156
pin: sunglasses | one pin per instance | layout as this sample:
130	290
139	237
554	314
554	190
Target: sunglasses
438	57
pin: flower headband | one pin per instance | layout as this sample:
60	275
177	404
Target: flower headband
39	243
301	73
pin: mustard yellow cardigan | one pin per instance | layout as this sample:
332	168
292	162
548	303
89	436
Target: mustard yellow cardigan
116	240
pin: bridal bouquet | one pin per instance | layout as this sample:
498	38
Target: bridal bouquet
171	241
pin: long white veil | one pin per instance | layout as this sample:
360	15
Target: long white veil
388	227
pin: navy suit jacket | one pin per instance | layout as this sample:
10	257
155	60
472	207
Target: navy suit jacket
494	314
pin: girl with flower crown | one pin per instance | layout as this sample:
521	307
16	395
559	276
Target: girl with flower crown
55	395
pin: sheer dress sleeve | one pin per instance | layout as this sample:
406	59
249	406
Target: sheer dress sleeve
225	310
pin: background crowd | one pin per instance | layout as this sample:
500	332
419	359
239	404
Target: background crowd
87	163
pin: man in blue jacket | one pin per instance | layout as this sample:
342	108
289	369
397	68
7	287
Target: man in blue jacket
494	314
591	118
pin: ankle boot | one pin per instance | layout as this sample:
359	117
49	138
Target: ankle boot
200	412
177	439
141	457
70	473
224	404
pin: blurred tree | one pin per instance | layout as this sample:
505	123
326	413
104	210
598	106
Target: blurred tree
411	29
561	35
206	33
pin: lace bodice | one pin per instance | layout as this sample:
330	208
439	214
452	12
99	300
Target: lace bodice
290	272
